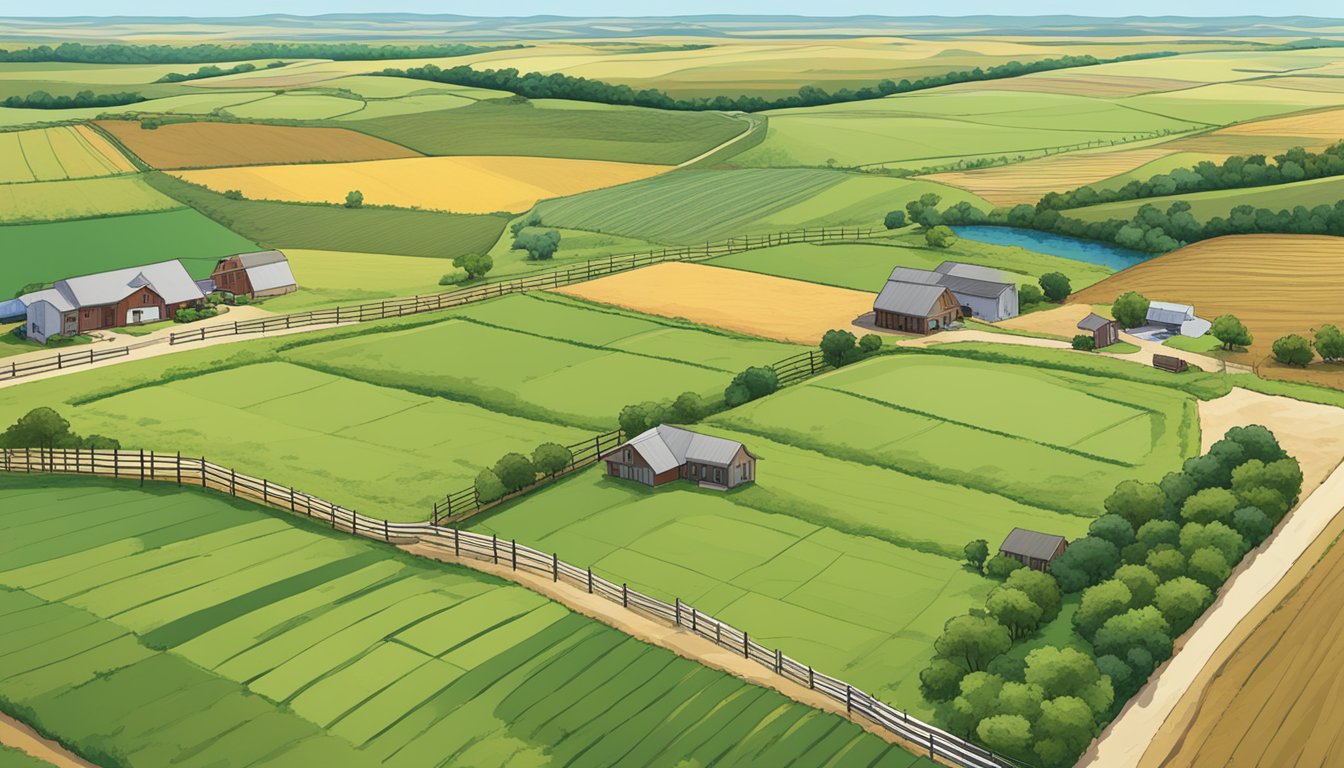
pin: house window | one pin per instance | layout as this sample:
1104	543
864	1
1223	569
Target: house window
627	455
144	299
86	314
718	475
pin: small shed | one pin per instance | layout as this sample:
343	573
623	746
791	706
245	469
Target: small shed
666	453
1105	331
1033	549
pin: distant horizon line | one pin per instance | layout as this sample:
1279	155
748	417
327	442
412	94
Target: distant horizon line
552	16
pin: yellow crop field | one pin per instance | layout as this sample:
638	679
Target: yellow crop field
1327	125
1027	182
79	199
458	184
50	154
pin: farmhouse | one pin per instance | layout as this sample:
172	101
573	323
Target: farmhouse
1105	331
110	299
980	291
1033	549
1177	318
254	275
915	307
666	453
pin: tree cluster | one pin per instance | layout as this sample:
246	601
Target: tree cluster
1299	351
540	244
757	381
475	265
1146	570
207	52
45	428
840	348
210	70
687	408
1236	172
535	85
44	100
514	471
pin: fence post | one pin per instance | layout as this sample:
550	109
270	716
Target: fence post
178	466
202	471
555	566
494	547
387	535
849	699
265	491
746	645
677	610
779	662
811	684
514	556
116	463
457	543
625	595
931	755
233	484
142	467
590	579
718	625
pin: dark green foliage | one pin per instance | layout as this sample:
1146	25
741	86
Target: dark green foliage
476	265
639	417
838	347
1256	443
1330	343
1293	350
1166	563
688	408
1209	567
924	211
940	237
894	219
1056	286
1136	502
1000	566
870	343
1209	505
976	552
1029	294
1130	310
1177	487
208	70
1273	487
540	246
1040	587
515	471
757	381
550	458
1216	536
1087	561
1099	604
971	641
1253	524
1112	528
941	680
453	278
1181	601
1156	532
44	100
1014	610
1141	582
207	52
1136	628
1084	342
1231	332
488	486
354	199
45	428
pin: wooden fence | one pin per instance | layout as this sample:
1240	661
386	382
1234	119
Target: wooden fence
190	471
568	275
59	361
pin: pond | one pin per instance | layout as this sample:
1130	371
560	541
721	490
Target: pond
1049	243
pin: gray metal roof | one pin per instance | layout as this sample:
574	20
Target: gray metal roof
169	279
260	258
1033	544
52	296
12	308
966	279
912	275
1169	313
908	298
276	274
1093	321
666	447
973	271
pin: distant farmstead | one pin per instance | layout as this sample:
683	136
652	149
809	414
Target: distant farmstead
1105	331
1033	549
1177	318
110	300
666	453
925	301
255	275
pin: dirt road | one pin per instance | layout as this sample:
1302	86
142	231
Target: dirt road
19	736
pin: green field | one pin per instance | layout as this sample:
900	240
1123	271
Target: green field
80	199
157	625
865	266
393	231
1206	205
71	248
14	758
697	206
629	134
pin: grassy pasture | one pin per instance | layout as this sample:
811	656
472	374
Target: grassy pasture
325	227
1206	205
341	277
50	154
696	206
68	249
80	199
457	184
575	245
212	144
286	645
631	134
294	106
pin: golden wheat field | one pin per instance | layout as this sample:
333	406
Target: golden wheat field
459	184
1026	182
208	145
1276	285
52	154
1327	125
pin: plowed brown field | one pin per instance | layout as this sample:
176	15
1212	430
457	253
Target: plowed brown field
211	145
1276	285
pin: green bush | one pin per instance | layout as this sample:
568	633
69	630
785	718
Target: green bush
940	237
894	219
354	199
474	265
186	315
488	486
1084	342
1029	294
976	552
454	278
1130	310
1000	566
1293	350
43	427
515	471
1056	286
550	458
754	382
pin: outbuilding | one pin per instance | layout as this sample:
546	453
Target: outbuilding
1177	318
113	299
254	275
1104	330
1033	549
666	453
981	292
915	307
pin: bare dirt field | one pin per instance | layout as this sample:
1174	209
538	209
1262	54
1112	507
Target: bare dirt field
1276	284
747	302
210	145
1027	182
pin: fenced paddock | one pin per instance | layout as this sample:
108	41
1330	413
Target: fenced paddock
151	466
59	361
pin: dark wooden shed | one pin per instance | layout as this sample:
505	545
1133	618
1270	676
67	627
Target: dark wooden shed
1033	549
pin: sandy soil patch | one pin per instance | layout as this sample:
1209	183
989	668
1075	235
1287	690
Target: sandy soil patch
1027	182
760	305
1061	321
1156	717
207	145
19	736
460	184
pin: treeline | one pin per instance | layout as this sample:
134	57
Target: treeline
211	70
1146	571
535	85
208	52
1151	229
1236	172
44	100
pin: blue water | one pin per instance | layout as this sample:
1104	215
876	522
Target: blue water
1049	243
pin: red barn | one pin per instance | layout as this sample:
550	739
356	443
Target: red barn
110	300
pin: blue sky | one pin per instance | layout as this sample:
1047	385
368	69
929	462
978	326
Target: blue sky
675	7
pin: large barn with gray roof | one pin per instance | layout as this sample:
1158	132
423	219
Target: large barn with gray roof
924	301
110	300
666	453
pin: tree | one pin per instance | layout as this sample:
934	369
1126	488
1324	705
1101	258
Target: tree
940	237
1217	536
515	471
1181	601
1084	342
1130	310
837	347
1056	286
1209	505
1061	671
1166	563
894	219
1230	331
100	443
1112	528
1000	566
1256	442
476	265
1293	350
1029	294
354	199
972	641
750	384
941	680
1330	343
1253	524
1099	604
1136	628
550	458
39	428
1014	610
1136	502
1140	580
540	246
633	420
1283	476
1177	487
1006	734
1040	587
1209	567
1155	532
688	408
1087	561
1021	699
870	344
976	552
1065	728
488	486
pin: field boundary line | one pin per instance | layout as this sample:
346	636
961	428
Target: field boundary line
859	706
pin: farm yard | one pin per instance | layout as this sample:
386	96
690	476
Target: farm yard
288	645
